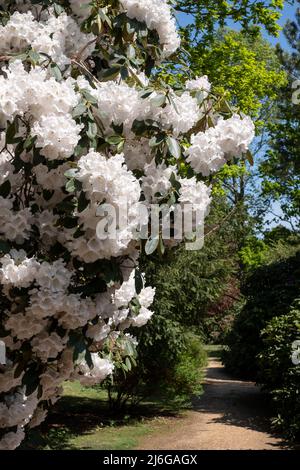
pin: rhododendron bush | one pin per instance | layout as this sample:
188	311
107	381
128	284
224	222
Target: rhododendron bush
86	121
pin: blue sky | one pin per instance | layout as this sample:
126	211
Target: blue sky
288	13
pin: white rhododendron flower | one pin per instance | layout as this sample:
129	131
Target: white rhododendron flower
229	138
199	84
182	114
101	369
12	440
156	183
89	144
57	136
17	269
156	14
235	135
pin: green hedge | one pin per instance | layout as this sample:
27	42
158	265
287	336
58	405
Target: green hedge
278	373
269	291
167	367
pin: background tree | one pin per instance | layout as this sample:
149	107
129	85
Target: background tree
280	169
209	15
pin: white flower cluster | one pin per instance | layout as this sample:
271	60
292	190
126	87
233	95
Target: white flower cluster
106	181
195	193
58	37
156	183
65	287
126	293
157	15
15	226
46	102
81	8
201	84
121	104
101	369
182	114
229	138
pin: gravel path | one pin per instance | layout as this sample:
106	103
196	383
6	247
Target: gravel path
230	415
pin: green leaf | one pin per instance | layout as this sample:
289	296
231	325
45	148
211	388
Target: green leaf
34	56
92	130
70	222
111	273
88	359
11	131
56	72
83	202
130	52
47	194
174	147
79	349
29	142
58	9
157	140
111	73
70	186
79	110
90	98
128	364
5	189
151	245
104	17
4	247
139	283
175	183
161	246
30	380
114	139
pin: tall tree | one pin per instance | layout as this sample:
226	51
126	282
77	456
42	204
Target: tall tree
209	15
280	169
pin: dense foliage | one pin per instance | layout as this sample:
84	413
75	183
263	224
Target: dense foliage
270	291
280	170
86	123
168	364
279	369
209	15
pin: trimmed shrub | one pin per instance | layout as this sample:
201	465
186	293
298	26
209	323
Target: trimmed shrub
279	369
169	366
270	291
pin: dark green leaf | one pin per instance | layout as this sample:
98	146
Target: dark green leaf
114	139
11	131
5	189
4	247
139	283
111	74
83	202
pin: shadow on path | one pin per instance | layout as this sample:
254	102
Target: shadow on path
231	415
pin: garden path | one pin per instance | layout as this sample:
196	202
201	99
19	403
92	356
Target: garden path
230	415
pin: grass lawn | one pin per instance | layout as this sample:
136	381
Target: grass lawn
81	420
